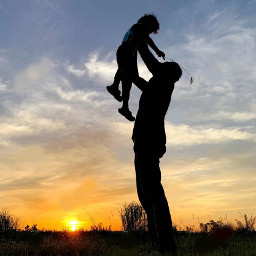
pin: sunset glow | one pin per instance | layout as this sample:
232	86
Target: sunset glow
74	225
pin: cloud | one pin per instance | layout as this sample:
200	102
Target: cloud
10	130
219	107
185	135
75	95
3	86
100	69
220	53
31	77
42	104
237	116
105	68
75	71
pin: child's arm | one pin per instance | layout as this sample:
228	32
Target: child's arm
155	48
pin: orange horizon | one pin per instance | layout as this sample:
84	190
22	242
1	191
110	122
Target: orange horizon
72	222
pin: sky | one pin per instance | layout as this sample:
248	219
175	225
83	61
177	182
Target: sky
66	154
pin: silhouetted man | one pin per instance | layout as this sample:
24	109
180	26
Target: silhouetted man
150	145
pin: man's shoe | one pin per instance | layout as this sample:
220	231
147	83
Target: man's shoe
127	114
115	93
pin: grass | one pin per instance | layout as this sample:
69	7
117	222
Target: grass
214	238
108	243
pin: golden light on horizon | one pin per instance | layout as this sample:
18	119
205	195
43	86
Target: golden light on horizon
74	225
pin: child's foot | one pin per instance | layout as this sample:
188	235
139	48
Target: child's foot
115	93
127	114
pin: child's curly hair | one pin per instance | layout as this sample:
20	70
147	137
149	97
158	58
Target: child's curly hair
150	18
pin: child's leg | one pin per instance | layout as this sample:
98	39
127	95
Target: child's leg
113	89
130	74
117	79
121	65
126	88
124	110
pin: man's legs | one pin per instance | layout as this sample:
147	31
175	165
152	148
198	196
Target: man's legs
148	207
151	194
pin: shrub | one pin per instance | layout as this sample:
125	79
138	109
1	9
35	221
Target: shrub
100	227
133	217
8	222
248	224
211	226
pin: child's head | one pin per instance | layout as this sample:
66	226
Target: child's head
151	22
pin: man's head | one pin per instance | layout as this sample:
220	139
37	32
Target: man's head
169	72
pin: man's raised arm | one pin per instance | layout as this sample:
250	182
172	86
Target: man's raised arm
151	62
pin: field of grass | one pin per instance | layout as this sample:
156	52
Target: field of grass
108	243
214	238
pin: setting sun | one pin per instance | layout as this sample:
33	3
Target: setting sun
74	225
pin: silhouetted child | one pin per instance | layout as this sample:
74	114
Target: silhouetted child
126	54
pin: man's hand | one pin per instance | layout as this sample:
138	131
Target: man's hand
160	54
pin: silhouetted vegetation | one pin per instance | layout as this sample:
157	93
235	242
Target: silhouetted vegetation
133	217
213	238
33	228
248	225
8	222
100	227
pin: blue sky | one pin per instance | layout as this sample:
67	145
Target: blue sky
65	148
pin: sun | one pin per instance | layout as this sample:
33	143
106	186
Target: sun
73	228
73	225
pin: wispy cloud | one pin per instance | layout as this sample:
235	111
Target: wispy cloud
31	77
75	71
105	68
3	86
185	135
100	69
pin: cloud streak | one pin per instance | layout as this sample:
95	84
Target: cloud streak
185	135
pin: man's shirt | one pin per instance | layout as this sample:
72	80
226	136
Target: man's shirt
149	127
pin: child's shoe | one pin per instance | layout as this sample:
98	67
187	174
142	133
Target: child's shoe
127	114
115	93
